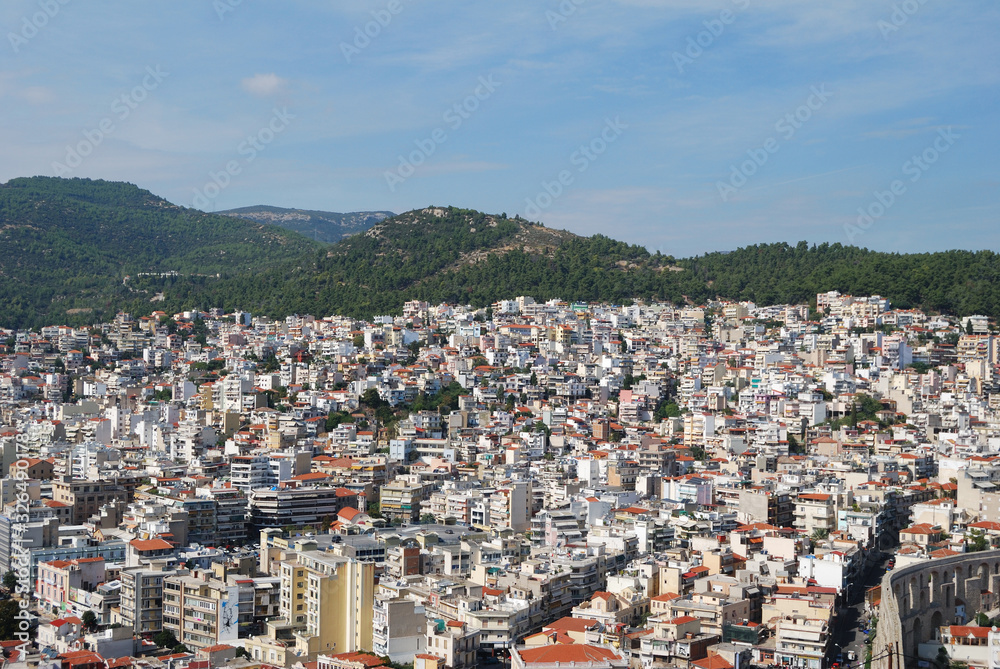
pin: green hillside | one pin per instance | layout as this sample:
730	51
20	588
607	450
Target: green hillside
68	244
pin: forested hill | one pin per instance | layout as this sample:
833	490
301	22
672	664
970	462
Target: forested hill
456	255
321	226
954	282
67	246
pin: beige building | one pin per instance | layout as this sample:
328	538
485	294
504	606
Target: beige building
816	511
711	609
453	642
801	642
200	610
87	497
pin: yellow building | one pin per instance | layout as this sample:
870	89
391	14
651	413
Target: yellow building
326	607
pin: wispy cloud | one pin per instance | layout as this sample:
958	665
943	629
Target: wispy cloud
264	85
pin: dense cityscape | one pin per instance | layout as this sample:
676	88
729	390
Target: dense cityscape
538	484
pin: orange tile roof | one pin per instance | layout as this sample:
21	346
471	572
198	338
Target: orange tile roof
566	653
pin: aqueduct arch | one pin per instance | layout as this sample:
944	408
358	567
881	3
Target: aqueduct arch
920	598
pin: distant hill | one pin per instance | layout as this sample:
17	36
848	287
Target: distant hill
321	226
67	246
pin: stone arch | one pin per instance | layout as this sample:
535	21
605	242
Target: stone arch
917	637
933	584
959	583
984	576
936	621
914	589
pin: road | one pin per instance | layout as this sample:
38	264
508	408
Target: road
850	635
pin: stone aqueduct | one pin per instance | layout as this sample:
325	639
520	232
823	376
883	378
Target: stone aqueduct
918	599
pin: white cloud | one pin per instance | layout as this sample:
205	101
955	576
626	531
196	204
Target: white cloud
38	95
264	85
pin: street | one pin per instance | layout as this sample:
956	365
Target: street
850	636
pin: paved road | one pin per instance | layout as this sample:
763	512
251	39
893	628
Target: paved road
850	636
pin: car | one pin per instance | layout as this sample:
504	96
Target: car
851	656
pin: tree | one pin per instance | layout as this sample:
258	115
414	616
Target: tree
820	533
243	652
165	639
427	518
10	580
89	620
668	410
975	541
9	625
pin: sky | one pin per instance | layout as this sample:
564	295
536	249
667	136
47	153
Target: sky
686	126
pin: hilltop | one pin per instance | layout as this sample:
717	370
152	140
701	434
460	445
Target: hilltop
321	226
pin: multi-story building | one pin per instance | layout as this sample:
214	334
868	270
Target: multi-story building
401	500
510	506
87	497
288	505
766	506
200	610
142	598
801	642
398	627
454	642
711	609
58	579
815	511
326	606
230	515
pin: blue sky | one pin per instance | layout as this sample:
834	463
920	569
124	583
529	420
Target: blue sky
684	125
